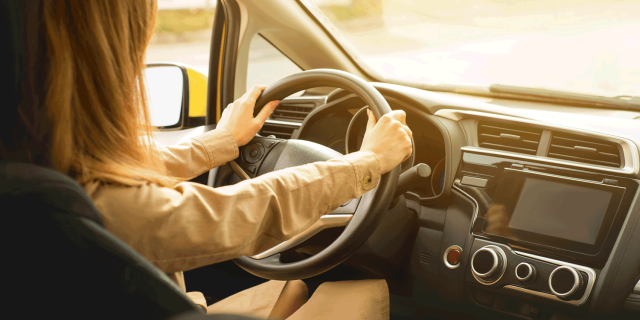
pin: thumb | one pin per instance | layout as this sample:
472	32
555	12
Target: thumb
372	120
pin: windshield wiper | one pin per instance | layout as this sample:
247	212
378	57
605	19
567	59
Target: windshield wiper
534	94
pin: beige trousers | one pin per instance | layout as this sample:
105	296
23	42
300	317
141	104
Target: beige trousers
348	300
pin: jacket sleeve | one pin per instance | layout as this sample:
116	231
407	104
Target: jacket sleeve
199	154
193	225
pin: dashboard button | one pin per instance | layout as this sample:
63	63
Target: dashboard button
452	256
474	182
268	143
253	153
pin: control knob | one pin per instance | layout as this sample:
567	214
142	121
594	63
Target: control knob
525	272
567	283
488	264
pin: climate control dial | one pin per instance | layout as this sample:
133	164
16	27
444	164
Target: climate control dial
567	283
525	272
488	264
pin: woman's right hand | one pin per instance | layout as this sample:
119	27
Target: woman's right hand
389	139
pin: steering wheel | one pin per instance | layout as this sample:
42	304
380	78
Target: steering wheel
265	154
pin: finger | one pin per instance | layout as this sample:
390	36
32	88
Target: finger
266	111
408	155
372	120
254	93
398	115
244	96
407	130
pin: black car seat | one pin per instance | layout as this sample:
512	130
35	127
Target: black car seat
58	260
61	261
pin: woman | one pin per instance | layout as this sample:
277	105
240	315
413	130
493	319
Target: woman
83	113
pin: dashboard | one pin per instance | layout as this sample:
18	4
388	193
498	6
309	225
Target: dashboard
329	126
528	213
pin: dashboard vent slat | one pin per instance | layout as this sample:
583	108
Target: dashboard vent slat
425	258
585	149
292	112
281	131
508	137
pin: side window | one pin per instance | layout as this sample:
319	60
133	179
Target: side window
267	64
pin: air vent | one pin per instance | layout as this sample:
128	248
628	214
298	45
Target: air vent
425	258
509	137
282	131
292	112
585	149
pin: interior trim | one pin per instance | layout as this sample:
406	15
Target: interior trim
287	123
591	274
631	157
325	222
219	75
476	206
547	160
636	289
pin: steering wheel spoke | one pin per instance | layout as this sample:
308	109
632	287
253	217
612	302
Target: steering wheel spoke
325	222
340	217
253	155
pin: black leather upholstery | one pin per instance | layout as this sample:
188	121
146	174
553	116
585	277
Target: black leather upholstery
61	260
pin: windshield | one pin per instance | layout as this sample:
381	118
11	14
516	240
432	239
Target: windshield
585	46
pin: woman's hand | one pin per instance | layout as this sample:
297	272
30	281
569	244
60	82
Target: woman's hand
238	116
389	139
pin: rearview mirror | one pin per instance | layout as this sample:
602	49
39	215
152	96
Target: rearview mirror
176	95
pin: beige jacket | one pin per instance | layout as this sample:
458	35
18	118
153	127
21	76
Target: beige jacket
192	225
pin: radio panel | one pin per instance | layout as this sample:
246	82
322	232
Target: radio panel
559	212
529	274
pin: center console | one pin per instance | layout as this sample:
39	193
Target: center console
541	231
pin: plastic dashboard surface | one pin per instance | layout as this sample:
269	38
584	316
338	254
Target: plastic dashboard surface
328	124
607	261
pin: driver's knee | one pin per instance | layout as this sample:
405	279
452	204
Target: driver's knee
294	294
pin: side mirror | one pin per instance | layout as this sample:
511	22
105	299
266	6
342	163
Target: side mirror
176	95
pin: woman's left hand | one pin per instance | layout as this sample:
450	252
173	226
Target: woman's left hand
238	116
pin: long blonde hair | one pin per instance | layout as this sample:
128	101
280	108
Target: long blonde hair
97	123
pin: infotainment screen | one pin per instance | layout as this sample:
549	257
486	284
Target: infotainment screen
530	207
560	210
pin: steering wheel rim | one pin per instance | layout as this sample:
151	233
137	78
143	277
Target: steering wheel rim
372	205
348	143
